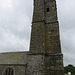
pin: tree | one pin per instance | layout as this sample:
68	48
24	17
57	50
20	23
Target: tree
69	68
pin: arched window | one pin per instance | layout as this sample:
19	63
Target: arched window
9	71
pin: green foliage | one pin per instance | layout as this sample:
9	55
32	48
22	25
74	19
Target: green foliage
69	68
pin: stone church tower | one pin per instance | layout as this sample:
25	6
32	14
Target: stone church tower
45	56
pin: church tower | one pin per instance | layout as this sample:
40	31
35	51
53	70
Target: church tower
45	28
45	56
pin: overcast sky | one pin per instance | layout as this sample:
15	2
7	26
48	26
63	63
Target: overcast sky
15	26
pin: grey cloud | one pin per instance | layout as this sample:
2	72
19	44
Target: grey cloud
15	27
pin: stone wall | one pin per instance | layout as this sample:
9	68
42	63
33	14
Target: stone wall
37	38
51	14
13	58
44	64
54	64
36	65
52	38
38	14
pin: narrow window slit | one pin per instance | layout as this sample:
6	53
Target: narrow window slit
47	9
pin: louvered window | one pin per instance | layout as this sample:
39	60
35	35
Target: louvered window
9	71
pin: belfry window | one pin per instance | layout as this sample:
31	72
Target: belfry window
47	9
9	71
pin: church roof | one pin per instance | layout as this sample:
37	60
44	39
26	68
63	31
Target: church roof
13	58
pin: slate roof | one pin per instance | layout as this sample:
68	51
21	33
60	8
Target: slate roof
13	58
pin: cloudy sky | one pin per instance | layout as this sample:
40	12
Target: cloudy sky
15	26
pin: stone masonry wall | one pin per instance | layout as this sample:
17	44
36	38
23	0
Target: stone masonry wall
36	65
37	38
52	38
38	14
53	64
